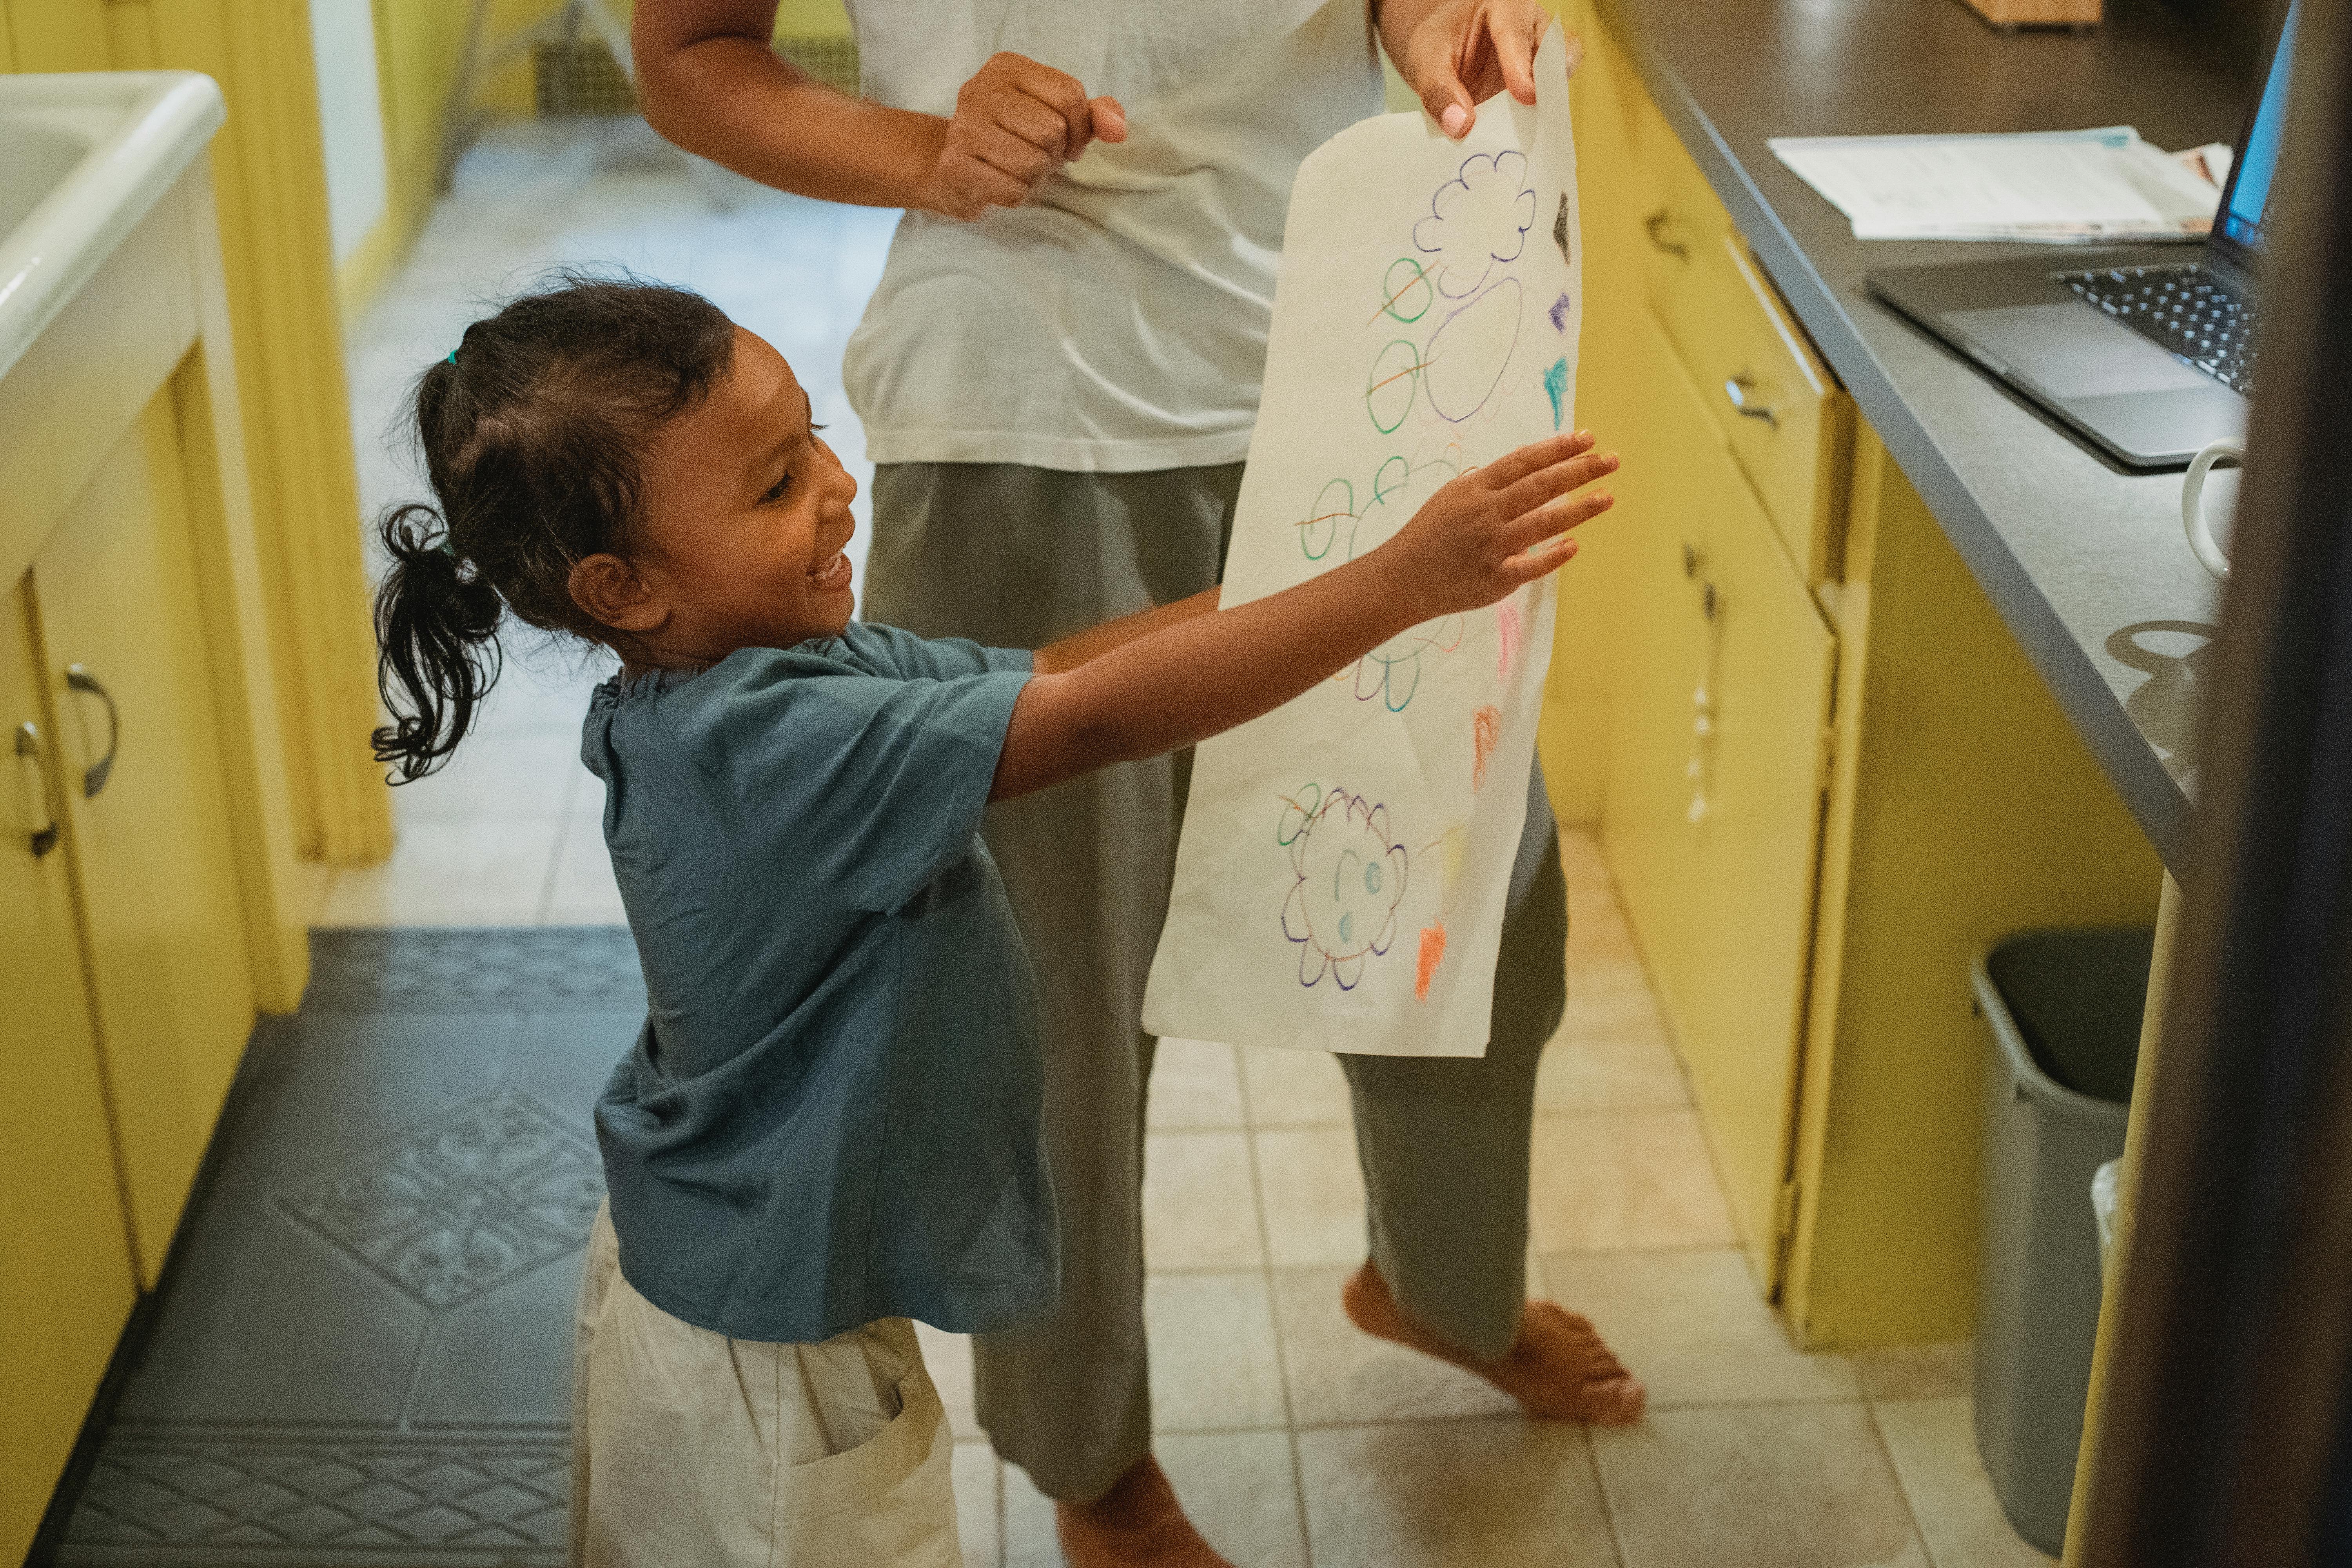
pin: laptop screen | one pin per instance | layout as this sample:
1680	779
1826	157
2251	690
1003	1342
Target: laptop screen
2246	209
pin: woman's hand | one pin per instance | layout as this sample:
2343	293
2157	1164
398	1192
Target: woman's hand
1016	123
1455	53
1494	528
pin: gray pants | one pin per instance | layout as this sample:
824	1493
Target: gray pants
1016	557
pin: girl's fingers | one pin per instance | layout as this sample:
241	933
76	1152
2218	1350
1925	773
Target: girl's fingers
1574	473
1520	461
1555	517
1537	560
1109	120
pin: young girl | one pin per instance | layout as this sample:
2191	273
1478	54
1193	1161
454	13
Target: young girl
829	1124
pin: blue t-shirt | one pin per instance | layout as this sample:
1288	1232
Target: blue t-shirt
832	1113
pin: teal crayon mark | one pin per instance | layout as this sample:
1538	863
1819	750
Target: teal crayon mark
1556	384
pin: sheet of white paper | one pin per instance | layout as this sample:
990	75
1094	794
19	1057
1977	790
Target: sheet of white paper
1340	880
2106	183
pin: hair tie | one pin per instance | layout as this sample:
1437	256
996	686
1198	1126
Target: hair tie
453	356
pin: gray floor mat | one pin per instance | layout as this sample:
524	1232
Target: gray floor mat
364	1352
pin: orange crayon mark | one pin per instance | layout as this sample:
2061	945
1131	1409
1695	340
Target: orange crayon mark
1486	732
1433	949
1398	376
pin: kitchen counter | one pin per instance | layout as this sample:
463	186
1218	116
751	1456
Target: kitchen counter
2085	562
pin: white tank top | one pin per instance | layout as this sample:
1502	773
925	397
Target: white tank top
1116	320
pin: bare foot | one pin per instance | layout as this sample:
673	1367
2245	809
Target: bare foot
1139	1522
1559	1370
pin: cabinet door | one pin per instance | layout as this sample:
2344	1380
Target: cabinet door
1715	806
65	1253
129	679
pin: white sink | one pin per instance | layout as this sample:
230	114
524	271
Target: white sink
83	157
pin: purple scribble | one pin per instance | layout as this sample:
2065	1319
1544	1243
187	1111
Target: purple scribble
1559	314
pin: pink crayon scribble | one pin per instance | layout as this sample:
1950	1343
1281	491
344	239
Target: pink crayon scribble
1485	729
1506	624
1433	949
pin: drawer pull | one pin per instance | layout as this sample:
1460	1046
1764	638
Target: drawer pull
93	777
29	753
1736	389
1654	226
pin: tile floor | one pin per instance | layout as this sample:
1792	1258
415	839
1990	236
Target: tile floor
1293	1439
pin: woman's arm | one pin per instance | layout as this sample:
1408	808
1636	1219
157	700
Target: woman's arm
709	81
1454	53
1195	675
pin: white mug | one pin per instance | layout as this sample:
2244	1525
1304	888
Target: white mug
2192	504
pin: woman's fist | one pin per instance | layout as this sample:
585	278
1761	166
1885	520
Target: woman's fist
1016	123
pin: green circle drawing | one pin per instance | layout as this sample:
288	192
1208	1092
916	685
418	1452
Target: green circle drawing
1388	390
1394	295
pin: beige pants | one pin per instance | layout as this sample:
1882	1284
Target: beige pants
693	1451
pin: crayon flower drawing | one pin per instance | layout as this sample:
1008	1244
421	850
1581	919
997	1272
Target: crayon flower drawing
1349	878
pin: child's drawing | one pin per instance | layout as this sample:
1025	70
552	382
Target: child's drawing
1342	908
1333	530
1477	220
1468	352
1425	323
1476	231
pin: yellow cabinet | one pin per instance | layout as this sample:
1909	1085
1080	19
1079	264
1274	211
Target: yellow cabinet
1714	791
1829	774
127	663
66	1286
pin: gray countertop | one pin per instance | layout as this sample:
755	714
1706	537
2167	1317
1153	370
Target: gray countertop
2086	563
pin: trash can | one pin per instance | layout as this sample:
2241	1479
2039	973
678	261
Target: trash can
2062	1011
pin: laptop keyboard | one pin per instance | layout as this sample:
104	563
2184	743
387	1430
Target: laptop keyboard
2184	309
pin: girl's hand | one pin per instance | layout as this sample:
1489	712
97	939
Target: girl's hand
1463	51
1495	527
1016	123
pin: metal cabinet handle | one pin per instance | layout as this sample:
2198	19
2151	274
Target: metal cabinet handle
1738	388
93	777
28	754
1656	221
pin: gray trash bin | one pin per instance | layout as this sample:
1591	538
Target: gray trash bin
2064	1013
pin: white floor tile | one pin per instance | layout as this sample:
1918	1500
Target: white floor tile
1455	1494
482	871
1195	1083
1693	1329
1199	1211
1313	1191
1935	1449
1213	1363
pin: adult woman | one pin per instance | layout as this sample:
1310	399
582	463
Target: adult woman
1058	379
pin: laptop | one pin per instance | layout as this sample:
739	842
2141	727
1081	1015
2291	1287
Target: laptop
2148	351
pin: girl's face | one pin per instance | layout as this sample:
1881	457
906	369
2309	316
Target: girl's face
744	515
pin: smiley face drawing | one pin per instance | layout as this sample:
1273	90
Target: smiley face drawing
1351	878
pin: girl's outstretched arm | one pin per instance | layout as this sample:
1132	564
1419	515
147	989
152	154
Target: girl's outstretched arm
1476	539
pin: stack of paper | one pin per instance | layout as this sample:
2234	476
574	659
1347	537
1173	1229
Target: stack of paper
2062	188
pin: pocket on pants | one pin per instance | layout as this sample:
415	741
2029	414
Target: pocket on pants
890	1499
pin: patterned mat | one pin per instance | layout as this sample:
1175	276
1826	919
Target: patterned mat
362	1353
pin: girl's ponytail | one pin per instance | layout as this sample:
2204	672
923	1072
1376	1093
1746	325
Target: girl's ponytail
531	431
436	624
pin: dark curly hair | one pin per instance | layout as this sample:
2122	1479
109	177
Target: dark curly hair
531	432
